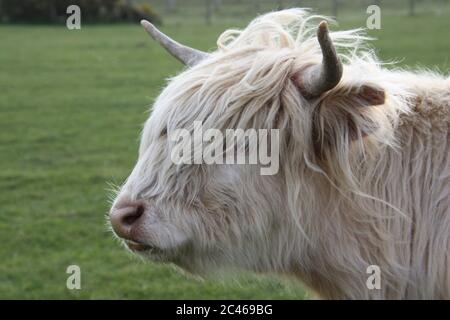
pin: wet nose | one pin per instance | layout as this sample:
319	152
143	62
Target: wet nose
124	216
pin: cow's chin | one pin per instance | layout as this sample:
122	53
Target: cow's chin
181	258
148	251
164	250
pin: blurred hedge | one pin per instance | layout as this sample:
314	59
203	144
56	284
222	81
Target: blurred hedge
92	11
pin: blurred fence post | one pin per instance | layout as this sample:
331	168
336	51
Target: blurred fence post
129	5
256	6
171	5
280	5
335	7
208	16
441	9
217	4
412	7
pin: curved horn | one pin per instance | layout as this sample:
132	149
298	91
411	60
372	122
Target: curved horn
186	55
325	76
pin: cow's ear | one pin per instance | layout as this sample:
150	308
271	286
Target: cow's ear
343	115
370	95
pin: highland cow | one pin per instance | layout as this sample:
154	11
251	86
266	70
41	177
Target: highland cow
363	164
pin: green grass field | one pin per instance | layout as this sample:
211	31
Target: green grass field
71	108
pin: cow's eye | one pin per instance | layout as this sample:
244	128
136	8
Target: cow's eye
163	133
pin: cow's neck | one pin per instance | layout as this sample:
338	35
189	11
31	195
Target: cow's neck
401	222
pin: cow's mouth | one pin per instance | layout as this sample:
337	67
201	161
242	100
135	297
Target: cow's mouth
139	247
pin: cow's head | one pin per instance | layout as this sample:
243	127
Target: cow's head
201	215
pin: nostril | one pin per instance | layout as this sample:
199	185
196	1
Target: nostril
132	216
140	210
123	217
